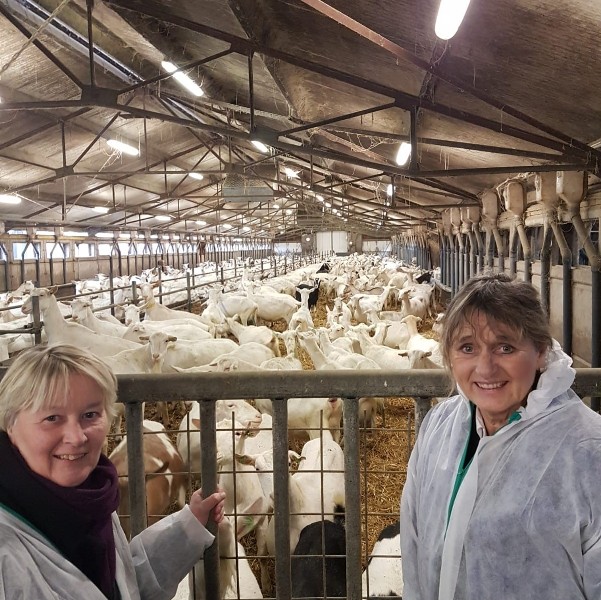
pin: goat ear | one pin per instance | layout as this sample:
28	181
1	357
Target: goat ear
53	289
172	338
144	338
426	354
404	353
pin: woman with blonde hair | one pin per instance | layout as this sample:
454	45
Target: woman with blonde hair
61	536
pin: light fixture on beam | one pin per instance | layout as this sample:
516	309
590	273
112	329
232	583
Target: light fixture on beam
201	223
449	18
123	147
291	173
182	78
198	176
260	146
101	209
389	189
403	153
10	199
162	217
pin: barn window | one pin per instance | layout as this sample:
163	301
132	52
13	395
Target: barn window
27	250
105	249
84	250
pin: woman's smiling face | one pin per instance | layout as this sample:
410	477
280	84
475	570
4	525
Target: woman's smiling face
63	443
494	367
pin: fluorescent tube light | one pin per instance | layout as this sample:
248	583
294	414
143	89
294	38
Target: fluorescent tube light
201	222
10	199
198	176
319	197
449	18
246	228
101	209
389	189
226	226
123	147
162	217
182	78
105	234
260	146
403	154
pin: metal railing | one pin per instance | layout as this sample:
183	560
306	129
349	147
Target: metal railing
205	388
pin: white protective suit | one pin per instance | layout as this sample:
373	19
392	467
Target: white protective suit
526	521
148	568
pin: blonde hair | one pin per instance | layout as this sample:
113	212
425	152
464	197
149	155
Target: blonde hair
39	378
503	300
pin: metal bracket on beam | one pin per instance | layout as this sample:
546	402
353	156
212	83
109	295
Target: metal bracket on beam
65	171
99	95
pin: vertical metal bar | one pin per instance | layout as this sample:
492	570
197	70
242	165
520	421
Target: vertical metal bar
422	406
90	8
352	493
135	466
189	292
37	328
595	330
545	269
281	494
413	140
208	475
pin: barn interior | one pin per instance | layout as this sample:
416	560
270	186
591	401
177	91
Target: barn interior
200	130
329	92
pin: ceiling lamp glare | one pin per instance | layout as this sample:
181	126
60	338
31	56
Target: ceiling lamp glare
260	146
182	78
201	223
123	147
163	218
449	18
198	176
291	173
10	199
101	209
403	154
389	189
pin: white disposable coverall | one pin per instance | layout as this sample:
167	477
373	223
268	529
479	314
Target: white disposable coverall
526	522
148	568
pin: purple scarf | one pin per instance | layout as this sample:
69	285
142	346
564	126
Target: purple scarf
77	520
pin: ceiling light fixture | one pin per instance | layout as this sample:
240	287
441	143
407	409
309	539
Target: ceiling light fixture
198	176
101	209
319	197
10	199
449	18
162	217
226	226
182	78
123	147
201	222
389	189
291	173
403	154
260	146
246	228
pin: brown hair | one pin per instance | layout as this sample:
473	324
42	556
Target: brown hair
506	301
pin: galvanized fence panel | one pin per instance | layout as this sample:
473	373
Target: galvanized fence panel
205	388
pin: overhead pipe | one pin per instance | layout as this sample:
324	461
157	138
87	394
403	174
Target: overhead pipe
572	188
546	194
490	213
460	253
514	197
